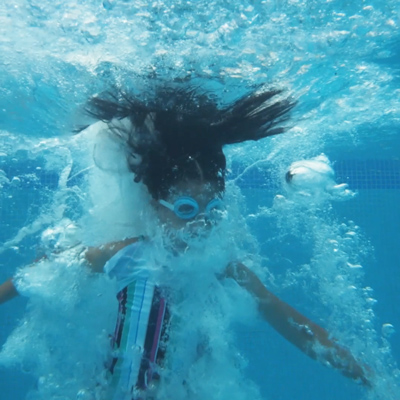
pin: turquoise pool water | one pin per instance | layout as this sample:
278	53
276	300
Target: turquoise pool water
339	60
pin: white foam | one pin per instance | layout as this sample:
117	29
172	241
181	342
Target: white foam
63	339
201	348
314	179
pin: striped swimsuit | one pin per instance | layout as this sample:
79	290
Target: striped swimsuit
140	326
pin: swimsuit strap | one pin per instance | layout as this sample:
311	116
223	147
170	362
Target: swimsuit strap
140	328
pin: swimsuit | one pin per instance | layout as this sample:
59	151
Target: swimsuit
141	323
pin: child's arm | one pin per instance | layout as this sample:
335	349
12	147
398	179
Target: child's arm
295	327
7	291
96	258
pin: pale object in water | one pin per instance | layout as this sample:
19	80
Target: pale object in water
315	178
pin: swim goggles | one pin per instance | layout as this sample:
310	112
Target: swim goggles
186	207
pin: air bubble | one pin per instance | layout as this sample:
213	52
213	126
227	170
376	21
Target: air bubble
354	266
16	180
388	330
85	394
108	5
3	177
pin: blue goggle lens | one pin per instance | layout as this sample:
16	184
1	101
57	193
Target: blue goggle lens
215	205
215	209
186	208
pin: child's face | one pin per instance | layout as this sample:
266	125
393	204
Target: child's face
193	205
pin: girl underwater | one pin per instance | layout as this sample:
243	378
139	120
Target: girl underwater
173	142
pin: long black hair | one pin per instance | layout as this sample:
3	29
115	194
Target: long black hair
175	134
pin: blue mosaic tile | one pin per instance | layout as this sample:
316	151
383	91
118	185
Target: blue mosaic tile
358	174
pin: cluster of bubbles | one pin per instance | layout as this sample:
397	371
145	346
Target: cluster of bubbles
63	341
64	298
334	274
331	56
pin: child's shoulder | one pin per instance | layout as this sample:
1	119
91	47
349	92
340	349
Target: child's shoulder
98	257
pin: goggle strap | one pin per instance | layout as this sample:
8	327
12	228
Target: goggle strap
189	201
166	204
